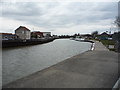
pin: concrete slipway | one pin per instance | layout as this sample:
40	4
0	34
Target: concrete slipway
92	69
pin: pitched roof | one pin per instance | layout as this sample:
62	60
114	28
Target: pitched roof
22	27
36	32
104	33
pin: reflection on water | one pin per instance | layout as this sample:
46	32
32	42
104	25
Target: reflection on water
22	61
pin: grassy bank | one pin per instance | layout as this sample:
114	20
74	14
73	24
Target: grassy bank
107	43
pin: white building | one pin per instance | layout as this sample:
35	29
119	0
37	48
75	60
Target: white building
46	34
23	32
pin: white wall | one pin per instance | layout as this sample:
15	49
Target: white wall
23	34
46	33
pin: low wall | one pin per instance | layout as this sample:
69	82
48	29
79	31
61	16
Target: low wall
15	43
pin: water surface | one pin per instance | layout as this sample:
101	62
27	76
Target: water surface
22	61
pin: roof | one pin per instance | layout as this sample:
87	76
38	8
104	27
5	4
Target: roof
46	32
104	33
22	27
37	32
6	33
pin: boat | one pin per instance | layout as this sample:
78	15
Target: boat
72	38
79	39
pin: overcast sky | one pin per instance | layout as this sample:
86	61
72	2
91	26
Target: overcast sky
58	17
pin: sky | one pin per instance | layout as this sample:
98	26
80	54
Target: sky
58	16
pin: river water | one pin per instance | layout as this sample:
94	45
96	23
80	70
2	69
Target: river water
22	61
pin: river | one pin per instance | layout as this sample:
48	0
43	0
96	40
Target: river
22	61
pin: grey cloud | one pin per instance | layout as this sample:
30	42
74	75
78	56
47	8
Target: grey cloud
21	9
76	13
108	6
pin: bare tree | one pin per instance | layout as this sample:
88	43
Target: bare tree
117	21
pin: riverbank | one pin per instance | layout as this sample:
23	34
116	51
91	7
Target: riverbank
92	69
16	43
90	41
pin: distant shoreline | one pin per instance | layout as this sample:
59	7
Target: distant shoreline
16	43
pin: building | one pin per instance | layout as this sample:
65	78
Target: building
8	36
23	32
103	36
46	34
36	34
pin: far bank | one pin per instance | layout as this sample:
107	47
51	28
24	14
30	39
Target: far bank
16	43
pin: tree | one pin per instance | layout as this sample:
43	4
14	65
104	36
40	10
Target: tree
94	33
117	21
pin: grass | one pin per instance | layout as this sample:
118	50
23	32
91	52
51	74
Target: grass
107	43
